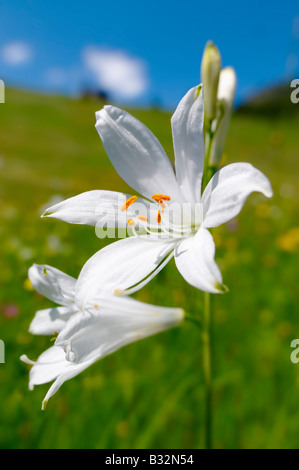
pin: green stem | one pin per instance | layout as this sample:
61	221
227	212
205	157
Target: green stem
208	173
207	366
207	169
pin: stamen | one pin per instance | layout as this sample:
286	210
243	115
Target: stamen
158	218
160	197
131	222
128	203
142	218
96	306
55	337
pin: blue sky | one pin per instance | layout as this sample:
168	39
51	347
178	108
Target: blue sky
145	52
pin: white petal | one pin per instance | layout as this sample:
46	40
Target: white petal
52	364
136	154
119	266
113	324
50	320
94	208
226	192
52	283
194	258
188	141
70	371
47	367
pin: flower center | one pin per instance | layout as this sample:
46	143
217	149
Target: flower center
172	220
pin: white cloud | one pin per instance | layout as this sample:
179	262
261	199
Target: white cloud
117	72
16	53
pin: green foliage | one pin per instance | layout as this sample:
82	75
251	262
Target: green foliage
150	394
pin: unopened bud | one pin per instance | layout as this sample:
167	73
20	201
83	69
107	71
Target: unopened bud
210	70
225	97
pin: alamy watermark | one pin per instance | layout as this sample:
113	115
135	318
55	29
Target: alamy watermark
2	352
123	217
295	93
2	92
295	353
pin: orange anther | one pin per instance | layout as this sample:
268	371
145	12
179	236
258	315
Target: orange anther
55	337
96	306
158	218
128	203
131	222
160	197
142	218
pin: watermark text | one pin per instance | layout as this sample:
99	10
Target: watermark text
2	92
2	352
121	218
295	93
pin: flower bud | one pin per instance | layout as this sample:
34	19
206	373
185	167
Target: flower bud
210	70
225	97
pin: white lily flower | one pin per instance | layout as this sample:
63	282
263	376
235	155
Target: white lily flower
91	324
141	161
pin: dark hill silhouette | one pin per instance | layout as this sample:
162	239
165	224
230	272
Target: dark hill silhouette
271	102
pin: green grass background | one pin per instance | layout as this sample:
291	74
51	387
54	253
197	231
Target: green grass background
150	393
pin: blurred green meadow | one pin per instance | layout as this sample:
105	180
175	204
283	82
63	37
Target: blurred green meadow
150	394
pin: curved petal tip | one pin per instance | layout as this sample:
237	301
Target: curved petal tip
221	288
44	404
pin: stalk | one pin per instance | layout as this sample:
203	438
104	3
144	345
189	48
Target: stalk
208	173
207	367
